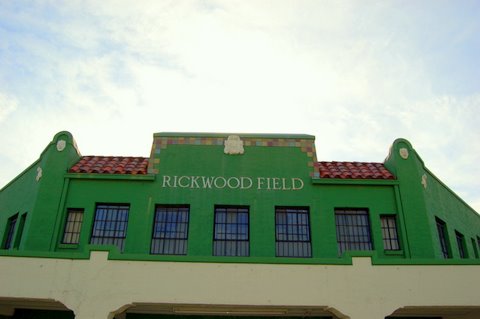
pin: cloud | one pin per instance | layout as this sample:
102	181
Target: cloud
115	72
8	105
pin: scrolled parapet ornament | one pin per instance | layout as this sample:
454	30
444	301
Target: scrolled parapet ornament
424	181
233	145
39	173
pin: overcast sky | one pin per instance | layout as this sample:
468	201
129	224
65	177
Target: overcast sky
356	74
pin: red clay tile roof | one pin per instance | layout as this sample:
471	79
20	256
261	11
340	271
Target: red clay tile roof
353	170
111	165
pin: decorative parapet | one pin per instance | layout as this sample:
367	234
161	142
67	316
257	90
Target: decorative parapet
161	141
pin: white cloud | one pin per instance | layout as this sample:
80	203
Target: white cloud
8	105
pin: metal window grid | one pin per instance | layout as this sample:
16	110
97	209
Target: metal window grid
461	245
475	248
478	243
73	226
170	230
231	231
19	235
12	221
443	238
353	230
390	232
110	225
292	232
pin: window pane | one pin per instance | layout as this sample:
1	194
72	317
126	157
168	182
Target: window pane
443	238
12	221
353	230
231	231
389	232
292	232
170	230
475	248
73	226
461	245
110	225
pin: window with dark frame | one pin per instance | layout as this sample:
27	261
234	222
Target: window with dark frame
478	244
353	230
170	230
292	232
231	231
19	235
475	248
110	225
73	226
443	238
390	232
12	221
462	247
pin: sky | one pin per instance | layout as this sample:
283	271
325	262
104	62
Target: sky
356	74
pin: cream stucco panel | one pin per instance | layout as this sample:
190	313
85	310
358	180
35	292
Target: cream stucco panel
98	287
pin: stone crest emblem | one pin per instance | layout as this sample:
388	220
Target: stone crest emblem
233	145
403	153
61	145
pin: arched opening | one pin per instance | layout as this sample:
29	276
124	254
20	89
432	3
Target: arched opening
27	308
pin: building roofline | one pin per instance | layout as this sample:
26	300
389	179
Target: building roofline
224	135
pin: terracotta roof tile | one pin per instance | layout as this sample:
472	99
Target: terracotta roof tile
353	170
111	165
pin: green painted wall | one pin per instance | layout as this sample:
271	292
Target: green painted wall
37	192
424	197
273	164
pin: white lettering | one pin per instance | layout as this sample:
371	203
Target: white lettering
221	179
194	183
246	185
166	181
298	185
284	186
207	181
237	181
260	182
175	181
233	182
276	183
183	178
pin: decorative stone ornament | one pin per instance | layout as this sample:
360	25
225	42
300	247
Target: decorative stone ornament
403	153
424	181
233	145
39	174
61	145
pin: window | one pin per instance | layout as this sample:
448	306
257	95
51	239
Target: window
292	232
353	230
475	248
170	230
10	230
390	232
443	238
462	249
21	225
231	233
110	225
73	225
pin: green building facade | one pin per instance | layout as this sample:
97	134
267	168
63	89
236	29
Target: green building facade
237	199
